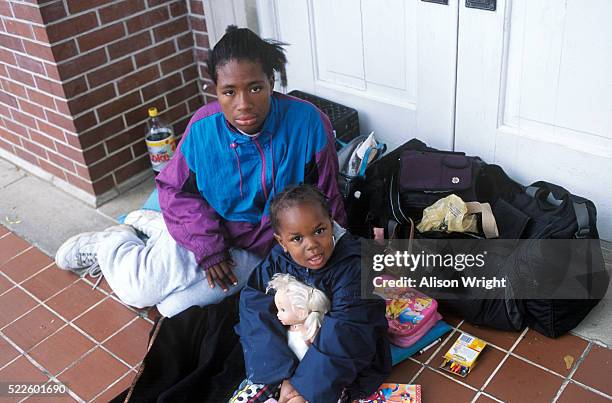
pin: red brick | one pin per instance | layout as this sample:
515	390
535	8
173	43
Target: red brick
76	6
104	185
9	136
119	106
109	164
52	71
3	71
41	99
7	56
102	132
155	54
64	50
19	28
82	64
196	7
5	9
161	87
190	73
120	10
171	29
39	138
71	27
80	183
94	154
185	41
147	20
50	87
180	126
129	45
52	169
139	148
6	145
177	62
91	99
182	94
133	168
126	138
175	113
101	37
70	153
23	118
49	130
62	107
30	64
178	8
202	41
28	13
110	72
138	79
31	158
82	171
11	42
61	161
153	3
85	122
16	128
75	87
197	23
8	99
40	34
194	103
200	55
140	114
34	148
61	121
38	50
53	12
31	108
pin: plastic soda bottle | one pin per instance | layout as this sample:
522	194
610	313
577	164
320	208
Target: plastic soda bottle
160	140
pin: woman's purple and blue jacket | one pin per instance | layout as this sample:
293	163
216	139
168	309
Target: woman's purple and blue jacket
216	191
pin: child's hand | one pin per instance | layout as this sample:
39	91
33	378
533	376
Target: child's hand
222	273
288	392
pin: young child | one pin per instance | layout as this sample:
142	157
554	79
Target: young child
350	355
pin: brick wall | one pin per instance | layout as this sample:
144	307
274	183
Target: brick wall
77	77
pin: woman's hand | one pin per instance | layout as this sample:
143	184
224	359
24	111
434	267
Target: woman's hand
222	273
288	392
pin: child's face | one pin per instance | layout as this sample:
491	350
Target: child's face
306	233
244	91
287	314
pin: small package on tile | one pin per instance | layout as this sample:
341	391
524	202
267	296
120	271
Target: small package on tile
394	392
462	356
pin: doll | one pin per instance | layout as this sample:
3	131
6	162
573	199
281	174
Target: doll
301	308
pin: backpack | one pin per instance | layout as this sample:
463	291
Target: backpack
400	185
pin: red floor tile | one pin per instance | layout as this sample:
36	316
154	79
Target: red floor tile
439	389
22	371
14	303
130	344
59	398
75	300
499	338
93	374
10	246
26	264
33	327
7	352
552	353
117	388
574	393
595	370
3	231
488	360
105	319
49	282
403	372
62	349
518	381
485	399
5	284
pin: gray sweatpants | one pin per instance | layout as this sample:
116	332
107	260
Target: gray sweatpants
161	272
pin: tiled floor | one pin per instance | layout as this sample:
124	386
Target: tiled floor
55	328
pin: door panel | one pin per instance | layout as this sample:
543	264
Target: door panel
536	97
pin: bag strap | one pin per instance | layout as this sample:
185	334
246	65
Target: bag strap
396	208
580	210
489	225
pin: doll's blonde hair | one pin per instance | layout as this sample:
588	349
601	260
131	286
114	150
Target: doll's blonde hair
311	302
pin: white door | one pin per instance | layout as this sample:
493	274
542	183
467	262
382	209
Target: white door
534	93
393	60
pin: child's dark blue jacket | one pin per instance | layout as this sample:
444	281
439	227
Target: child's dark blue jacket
351	349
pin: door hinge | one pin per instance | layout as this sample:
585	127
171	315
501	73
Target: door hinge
490	5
